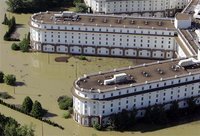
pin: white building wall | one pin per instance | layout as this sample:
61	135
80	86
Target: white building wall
89	38
136	6
100	108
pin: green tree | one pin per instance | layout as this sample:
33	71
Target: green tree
15	5
113	121
5	21
174	110
37	110
77	1
192	106
29	37
15	47
147	115
12	22
1	77
25	131
66	115
27	105
97	126
24	45
65	102
10	130
132	117
81	7
155	115
10	79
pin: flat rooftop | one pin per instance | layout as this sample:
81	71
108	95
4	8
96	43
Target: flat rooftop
183	16
106	20
137	75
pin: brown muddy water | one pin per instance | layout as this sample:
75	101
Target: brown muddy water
43	79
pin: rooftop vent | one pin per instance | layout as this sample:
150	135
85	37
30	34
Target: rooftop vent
105	20
41	17
175	67
117	78
145	74
160	71
92	89
130	76
146	22
160	23
91	19
132	22
119	21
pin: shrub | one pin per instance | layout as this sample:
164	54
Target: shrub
27	105
97	126
65	102
66	115
24	45
1	77
81	7
10	79
37	110
82	57
5	21
70	109
15	47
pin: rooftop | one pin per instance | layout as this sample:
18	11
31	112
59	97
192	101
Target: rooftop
103	20
136	75
183	16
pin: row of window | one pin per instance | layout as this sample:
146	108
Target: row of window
141	103
109	35
109	30
157	85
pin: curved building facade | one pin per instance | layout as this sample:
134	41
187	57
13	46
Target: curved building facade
103	35
97	96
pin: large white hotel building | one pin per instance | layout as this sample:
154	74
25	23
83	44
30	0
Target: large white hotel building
97	96
158	8
107	35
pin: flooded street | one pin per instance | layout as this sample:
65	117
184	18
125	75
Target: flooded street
43	79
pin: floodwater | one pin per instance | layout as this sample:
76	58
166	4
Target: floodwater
43	79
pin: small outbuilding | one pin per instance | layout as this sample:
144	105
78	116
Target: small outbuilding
182	21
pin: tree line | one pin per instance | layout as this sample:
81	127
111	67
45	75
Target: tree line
11	23
31	109
25	6
10	127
